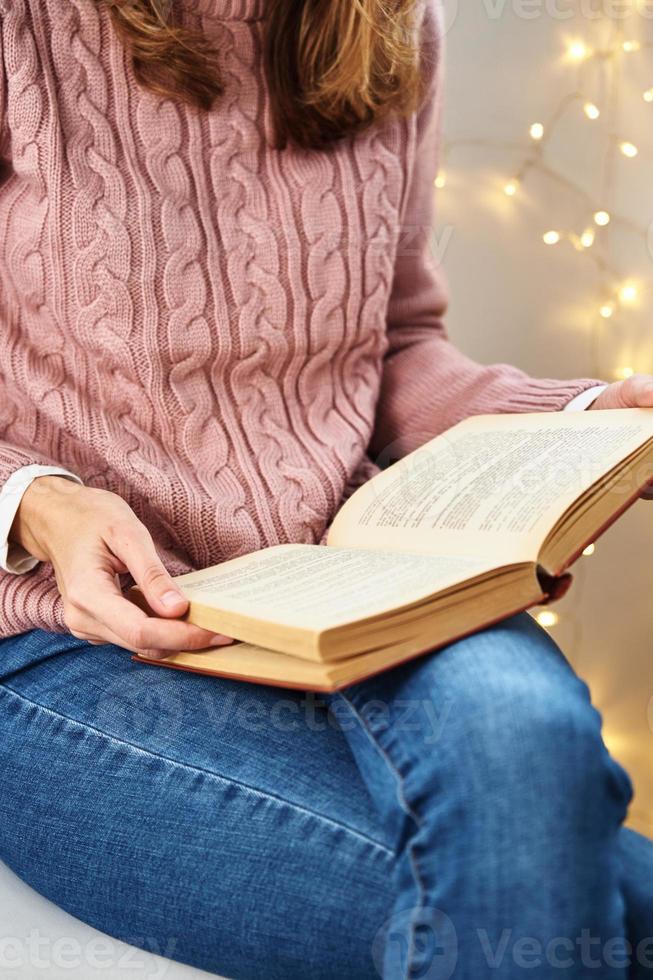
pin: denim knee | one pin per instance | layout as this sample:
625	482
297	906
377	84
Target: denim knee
497	722
525	721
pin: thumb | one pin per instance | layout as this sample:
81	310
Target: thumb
162	595
136	549
635	392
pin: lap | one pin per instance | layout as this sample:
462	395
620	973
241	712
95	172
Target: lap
246	826
287	745
280	743
228	822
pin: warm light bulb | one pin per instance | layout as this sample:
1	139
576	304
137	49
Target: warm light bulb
628	149
511	188
648	95
625	372
547	618
551	237
587	238
591	111
607	310
602	218
630	46
440	181
628	293
537	131
589	550
578	51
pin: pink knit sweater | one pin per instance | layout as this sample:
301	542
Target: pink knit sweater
224	334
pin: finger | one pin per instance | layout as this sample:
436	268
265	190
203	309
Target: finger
112	613
637	392
131	542
110	637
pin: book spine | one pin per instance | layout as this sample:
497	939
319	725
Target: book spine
554	587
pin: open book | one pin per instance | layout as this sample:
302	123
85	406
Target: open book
476	525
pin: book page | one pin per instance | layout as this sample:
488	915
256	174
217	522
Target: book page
315	588
494	485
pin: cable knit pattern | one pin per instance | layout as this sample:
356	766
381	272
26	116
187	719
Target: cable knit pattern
225	334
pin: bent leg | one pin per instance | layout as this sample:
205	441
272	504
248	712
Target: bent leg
224	825
506	810
227	825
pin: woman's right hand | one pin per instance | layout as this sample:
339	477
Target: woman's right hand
90	536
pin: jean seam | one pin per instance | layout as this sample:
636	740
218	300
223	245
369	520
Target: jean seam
219	777
396	772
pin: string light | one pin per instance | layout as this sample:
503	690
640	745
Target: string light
440	181
628	149
589	550
547	618
625	372
578	51
628	293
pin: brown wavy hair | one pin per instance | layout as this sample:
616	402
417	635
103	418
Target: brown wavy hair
333	67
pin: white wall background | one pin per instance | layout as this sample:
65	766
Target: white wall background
515	299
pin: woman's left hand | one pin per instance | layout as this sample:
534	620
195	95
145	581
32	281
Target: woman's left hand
635	392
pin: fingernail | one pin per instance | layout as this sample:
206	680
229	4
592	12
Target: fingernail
153	655
220	641
171	598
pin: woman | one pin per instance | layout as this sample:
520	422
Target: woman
218	308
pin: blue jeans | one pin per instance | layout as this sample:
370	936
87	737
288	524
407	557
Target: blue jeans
456	817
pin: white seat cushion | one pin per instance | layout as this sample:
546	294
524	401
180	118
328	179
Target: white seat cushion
37	939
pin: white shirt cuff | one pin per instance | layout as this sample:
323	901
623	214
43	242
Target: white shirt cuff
583	401
13	558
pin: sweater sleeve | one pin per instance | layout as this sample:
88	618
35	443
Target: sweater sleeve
428	385
13	457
